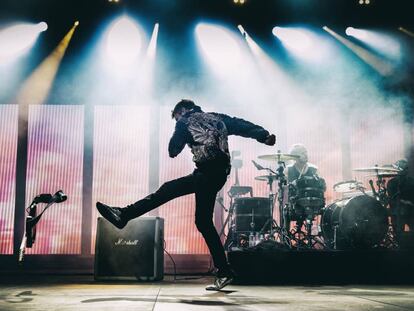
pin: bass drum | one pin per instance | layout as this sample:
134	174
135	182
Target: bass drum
358	222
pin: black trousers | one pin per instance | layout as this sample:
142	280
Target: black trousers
205	184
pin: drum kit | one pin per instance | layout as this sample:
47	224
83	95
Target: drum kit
359	220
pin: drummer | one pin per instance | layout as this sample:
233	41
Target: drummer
401	198
301	166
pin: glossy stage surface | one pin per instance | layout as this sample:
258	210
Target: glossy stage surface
46	292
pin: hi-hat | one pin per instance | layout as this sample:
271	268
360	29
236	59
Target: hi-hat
279	157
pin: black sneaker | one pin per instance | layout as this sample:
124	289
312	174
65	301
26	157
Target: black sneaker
112	214
221	280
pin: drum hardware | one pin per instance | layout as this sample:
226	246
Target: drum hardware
379	190
249	217
236	191
280	176
306	201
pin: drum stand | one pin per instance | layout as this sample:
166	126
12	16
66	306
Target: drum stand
390	240
308	240
274	227
236	191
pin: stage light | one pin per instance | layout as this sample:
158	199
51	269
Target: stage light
219	46
270	71
354	32
406	31
36	88
123	42
76	23
383	43
303	43
242	31
296	39
42	26
17	39
381	66
152	47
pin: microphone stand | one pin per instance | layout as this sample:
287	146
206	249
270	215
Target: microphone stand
32	219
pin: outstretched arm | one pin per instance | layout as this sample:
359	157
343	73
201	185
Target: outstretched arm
240	127
178	140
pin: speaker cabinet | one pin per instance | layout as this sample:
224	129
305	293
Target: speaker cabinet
133	253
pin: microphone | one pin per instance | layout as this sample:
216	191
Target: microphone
258	166
43	198
59	197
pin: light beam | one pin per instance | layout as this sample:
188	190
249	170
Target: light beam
36	88
123	42
382	67
18	39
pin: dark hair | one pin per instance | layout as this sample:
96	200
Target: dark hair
184	103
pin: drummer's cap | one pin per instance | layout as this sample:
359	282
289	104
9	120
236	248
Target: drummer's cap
299	150
186	104
401	164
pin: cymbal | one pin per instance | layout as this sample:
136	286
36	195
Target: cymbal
384	175
376	169
266	177
279	157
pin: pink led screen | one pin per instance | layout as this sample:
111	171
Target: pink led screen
54	162
8	145
121	156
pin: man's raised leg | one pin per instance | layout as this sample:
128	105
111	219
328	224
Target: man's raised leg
175	188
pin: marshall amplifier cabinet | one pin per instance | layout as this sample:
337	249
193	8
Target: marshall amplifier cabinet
133	253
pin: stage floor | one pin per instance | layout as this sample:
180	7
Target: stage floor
83	293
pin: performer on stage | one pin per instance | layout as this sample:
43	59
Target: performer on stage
207	136
401	194
300	167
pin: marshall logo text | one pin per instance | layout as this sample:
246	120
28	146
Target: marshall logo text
123	242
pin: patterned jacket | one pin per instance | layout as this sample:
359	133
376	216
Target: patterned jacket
207	136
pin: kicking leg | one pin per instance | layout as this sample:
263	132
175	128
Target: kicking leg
119	217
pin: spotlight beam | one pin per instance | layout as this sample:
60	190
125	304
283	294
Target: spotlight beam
152	47
379	65
406	31
124	42
271	72
220	47
37	86
17	39
145	82
384	43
